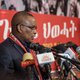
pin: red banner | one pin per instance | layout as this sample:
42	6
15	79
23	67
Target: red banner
5	28
51	29
54	29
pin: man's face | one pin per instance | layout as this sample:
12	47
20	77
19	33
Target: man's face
29	29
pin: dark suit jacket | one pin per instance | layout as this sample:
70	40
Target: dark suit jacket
10	63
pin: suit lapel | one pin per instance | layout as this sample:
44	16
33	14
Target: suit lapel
19	49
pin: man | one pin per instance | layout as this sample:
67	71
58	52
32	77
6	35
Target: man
15	46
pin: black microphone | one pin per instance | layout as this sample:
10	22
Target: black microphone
61	48
38	47
72	45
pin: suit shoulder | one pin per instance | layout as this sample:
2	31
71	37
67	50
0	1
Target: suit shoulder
6	43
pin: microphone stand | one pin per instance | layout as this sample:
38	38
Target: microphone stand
73	73
38	47
74	62
68	68
48	70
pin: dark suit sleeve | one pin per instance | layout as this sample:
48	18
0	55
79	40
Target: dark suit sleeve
5	59
10	69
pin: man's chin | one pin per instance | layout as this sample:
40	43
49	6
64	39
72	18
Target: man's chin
31	40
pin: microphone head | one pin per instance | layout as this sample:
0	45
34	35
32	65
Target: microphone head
78	49
34	46
70	52
71	45
59	48
27	56
38	47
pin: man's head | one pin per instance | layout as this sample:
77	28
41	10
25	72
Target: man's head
24	26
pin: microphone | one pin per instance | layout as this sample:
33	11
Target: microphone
38	47
75	47
28	64
27	60
78	50
71	44
59	48
70	55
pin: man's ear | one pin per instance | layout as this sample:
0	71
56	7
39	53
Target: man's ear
19	29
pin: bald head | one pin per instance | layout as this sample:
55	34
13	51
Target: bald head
24	25
19	17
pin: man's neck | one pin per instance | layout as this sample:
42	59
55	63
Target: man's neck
18	36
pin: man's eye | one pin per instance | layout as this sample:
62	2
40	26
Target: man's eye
32	27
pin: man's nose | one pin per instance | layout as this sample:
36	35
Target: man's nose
34	31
